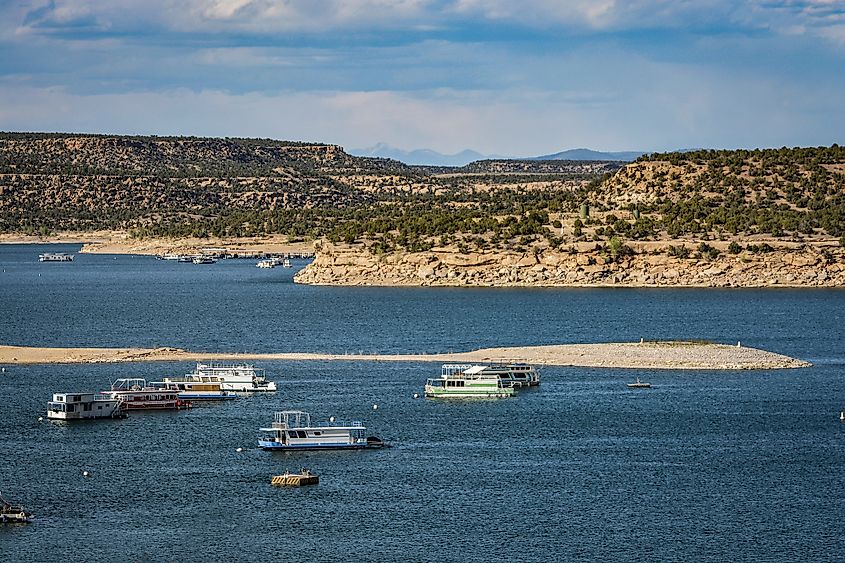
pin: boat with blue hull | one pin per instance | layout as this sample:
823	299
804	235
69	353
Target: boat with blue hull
292	431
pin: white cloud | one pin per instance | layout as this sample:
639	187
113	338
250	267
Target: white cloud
671	108
315	16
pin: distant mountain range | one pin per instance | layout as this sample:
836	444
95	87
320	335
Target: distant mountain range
589	154
434	158
420	156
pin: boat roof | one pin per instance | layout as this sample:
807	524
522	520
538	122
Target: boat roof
301	420
354	425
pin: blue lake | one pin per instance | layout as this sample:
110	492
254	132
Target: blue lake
706	466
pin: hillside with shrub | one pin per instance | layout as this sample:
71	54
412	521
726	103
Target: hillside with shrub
700	206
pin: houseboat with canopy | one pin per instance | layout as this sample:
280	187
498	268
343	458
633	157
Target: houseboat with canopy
135	394
293	430
467	382
190	389
511	375
242	378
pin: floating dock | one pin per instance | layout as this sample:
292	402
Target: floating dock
295	479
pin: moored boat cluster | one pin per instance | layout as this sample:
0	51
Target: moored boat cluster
291	430
208	382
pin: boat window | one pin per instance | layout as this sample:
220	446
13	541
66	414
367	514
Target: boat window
70	408
99	407
318	433
86	406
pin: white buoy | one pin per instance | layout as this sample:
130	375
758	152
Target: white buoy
86	474
841	416
2	370
331	419
239	450
642	340
416	395
40	419
375	407
738	345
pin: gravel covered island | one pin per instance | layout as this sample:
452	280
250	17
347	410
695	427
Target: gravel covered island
646	355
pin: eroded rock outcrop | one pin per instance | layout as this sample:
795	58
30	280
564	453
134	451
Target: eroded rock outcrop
355	265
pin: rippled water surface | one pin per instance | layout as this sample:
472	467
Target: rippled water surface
706	466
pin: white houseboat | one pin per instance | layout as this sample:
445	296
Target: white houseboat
292	430
243	378
55	257
190	389
135	394
83	406
511	375
467	382
266	263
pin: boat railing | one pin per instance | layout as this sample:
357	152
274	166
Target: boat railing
300	419
129	384
292	419
451	370
219	369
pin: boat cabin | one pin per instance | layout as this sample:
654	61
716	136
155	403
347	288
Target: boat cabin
77	406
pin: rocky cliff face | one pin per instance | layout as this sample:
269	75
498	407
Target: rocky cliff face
349	265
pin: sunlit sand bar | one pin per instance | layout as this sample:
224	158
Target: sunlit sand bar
645	355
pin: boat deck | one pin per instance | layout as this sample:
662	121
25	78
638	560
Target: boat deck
295	479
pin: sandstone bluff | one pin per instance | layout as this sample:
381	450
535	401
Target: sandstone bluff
803	266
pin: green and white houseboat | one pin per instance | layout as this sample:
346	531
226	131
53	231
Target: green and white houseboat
467	382
511	375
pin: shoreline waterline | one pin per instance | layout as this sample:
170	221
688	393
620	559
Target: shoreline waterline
674	355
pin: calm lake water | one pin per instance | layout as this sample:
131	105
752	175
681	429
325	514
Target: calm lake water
706	466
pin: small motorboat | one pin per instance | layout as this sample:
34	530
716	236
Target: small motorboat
13	513
639	384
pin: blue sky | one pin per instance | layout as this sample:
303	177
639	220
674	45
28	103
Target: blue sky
499	76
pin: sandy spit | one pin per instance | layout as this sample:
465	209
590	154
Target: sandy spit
119	242
651	355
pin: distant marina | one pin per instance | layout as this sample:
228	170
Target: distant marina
265	259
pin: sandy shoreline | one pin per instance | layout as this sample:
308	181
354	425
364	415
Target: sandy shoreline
648	355
119	242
